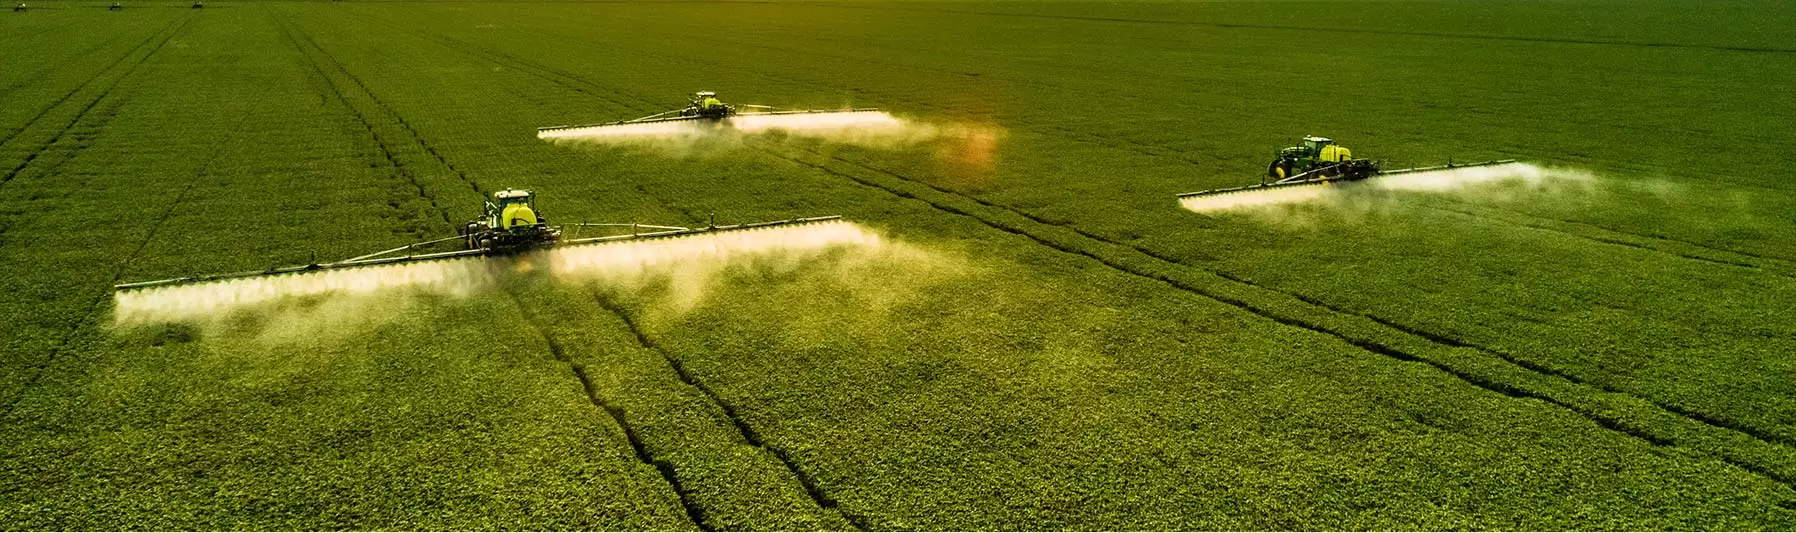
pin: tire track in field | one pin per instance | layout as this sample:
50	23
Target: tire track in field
1596	413
1654	246
380	142
1440	339
362	88
1160	150
1156	150
694	512
535	68
1174	153
744	430
33	154
37	76
1378	343
98	125
1201	85
1715	422
1781	263
1663	245
94	306
96	76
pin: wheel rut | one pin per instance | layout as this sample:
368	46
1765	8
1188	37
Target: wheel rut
98	302
743	428
381	142
166	34
1595	411
746	431
695	512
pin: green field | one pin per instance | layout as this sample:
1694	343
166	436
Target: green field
1045	340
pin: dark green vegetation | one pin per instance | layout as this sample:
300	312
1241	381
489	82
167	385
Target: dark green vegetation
1070	349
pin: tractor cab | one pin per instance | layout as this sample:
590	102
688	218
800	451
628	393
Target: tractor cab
515	208
1315	150
1315	154
510	223
1313	145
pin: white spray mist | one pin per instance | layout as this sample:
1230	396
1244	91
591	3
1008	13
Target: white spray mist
870	129
691	258
1459	180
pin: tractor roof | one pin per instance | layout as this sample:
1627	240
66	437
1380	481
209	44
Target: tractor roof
1314	138
512	193
707	93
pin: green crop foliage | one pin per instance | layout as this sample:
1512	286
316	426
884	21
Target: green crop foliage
1044	341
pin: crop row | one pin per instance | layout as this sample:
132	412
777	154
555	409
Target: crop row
780	397
35	151
685	429
226	155
1674	400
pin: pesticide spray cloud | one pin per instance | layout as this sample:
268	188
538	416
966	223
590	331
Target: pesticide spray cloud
321	302
868	129
200	300
1481	179
691	265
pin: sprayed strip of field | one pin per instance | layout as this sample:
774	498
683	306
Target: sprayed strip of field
691	259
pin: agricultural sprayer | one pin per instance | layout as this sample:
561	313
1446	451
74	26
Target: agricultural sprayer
704	108
1318	161
509	225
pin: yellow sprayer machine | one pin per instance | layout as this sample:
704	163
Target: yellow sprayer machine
703	108
511	224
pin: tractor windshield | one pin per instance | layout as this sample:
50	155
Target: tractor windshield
515	211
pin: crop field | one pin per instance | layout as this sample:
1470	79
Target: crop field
1015	325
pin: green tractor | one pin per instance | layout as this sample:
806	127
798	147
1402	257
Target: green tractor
1319	161
1318	158
510	223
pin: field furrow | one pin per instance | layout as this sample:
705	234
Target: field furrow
728	514
1676	405
112	72
252	424
564	85
1525	366
1012	326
